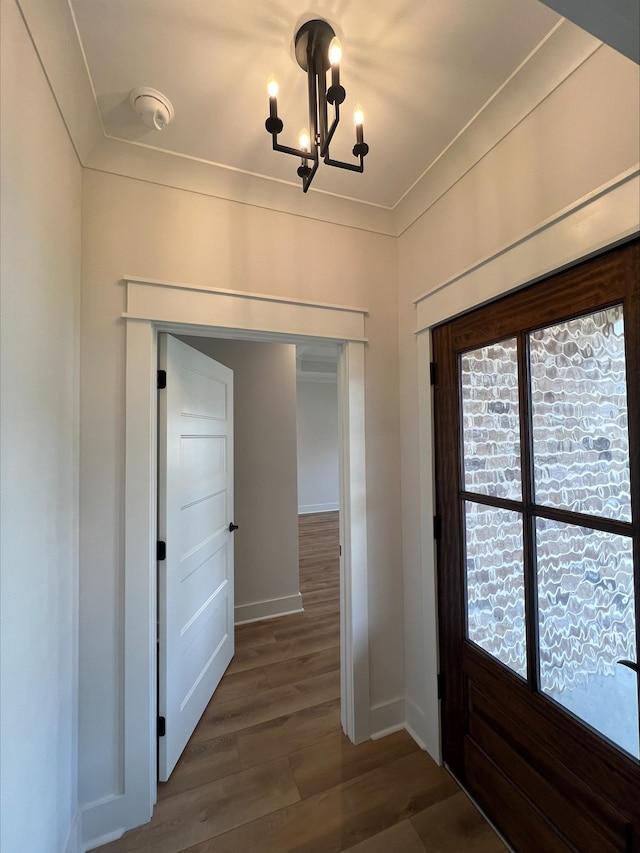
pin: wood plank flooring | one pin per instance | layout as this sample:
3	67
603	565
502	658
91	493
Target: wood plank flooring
268	769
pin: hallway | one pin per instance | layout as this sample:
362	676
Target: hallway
268	769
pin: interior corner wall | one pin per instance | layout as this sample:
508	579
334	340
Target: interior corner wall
581	137
318	448
39	352
267	581
137	228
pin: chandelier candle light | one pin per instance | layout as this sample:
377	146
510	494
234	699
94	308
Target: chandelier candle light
317	50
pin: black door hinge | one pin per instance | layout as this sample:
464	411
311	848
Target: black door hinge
441	685
161	550
340	554
162	726
437	527
432	372
162	380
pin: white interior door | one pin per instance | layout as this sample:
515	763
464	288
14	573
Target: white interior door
195	581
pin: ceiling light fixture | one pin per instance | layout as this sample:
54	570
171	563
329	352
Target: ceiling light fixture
317	49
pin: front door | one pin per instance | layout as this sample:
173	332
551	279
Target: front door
537	404
195	579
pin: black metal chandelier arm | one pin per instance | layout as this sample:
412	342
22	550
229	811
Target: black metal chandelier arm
297	152
326	142
307	178
351	167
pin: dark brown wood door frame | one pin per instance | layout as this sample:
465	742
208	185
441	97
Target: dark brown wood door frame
527	746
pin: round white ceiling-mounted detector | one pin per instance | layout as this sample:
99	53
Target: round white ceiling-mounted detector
154	109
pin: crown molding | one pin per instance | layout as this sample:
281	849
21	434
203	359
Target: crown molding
141	162
53	33
558	55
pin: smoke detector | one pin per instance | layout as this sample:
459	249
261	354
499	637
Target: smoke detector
153	108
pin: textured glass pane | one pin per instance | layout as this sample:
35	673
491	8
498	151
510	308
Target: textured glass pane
490	420
587	624
495	584
579	406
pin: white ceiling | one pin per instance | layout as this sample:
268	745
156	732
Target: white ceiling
421	70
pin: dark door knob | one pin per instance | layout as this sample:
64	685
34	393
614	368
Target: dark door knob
232	527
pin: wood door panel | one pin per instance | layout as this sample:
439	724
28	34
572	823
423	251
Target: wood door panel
584	819
613	775
516	815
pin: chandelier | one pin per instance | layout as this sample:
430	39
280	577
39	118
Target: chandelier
317	50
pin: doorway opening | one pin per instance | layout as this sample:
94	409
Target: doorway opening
254	435
155	307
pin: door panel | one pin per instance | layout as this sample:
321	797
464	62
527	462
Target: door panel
537	412
195	582
547	780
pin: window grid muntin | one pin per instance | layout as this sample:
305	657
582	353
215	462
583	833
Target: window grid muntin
527	507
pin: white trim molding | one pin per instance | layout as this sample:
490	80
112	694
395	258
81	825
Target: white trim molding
270	608
387	718
104	821
154	165
309	509
159	306
427	725
241	294
412	732
354	594
602	218
560	53
235	311
74	842
100	841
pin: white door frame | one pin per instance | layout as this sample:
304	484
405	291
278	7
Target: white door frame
154	307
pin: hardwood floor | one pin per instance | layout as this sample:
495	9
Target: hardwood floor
268	769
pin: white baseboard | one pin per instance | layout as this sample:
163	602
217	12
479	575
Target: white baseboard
389	731
104	821
389	717
103	839
307	509
425	734
386	718
269	609
412	732
74	839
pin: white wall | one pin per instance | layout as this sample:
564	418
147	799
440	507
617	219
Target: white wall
582	136
318	475
137	228
39	342
266	545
